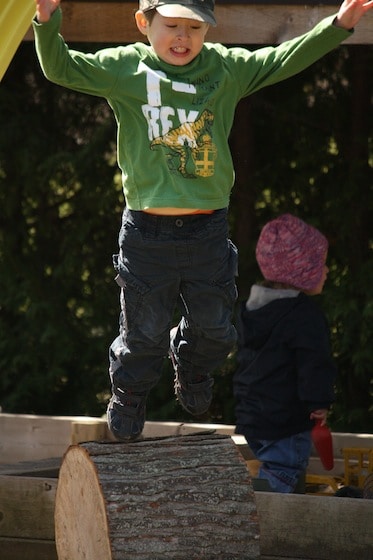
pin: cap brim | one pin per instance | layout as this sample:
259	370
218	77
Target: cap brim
190	12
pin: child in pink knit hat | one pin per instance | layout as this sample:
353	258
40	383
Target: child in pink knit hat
285	375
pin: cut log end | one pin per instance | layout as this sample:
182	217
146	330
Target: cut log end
81	527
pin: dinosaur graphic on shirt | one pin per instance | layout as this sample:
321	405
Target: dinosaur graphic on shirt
190	150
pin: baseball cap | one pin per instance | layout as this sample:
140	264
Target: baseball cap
200	10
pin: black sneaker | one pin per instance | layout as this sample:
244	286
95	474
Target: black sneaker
194	392
126	413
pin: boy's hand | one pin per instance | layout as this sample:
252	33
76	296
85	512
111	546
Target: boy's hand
351	11
45	8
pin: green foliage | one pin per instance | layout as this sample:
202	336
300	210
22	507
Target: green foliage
304	146
314	158
61	213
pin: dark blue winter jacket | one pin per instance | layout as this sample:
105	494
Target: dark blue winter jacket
285	368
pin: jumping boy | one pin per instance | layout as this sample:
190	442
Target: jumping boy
174	101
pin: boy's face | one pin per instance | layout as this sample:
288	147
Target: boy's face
176	41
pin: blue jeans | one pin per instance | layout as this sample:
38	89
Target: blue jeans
283	460
167	263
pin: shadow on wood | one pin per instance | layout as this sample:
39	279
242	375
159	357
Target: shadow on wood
184	497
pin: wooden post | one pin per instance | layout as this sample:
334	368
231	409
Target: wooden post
184	497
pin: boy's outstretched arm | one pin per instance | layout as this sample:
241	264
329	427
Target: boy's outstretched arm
45	8
351	11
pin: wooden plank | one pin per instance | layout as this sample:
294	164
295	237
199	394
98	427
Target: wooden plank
30	437
342	440
47	468
159	429
27	507
27	437
33	549
252	24
90	430
315	527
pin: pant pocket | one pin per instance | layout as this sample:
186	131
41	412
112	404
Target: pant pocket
227	281
133	294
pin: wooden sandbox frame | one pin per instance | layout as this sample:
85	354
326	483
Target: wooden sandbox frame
295	527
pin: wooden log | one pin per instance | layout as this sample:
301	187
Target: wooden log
184	497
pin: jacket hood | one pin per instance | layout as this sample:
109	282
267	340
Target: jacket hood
262	312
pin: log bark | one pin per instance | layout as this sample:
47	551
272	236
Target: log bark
183	497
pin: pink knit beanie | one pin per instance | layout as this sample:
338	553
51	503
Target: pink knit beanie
289	251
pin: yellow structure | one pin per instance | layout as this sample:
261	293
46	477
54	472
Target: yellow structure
15	19
358	464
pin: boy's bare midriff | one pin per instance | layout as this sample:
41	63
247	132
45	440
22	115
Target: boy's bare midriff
176	211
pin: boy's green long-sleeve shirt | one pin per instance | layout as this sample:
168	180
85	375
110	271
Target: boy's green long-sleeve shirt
174	121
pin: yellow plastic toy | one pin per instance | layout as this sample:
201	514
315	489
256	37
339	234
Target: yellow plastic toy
15	19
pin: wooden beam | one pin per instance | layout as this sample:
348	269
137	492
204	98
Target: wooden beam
26	437
250	24
32	549
27	507
291	526
314	527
